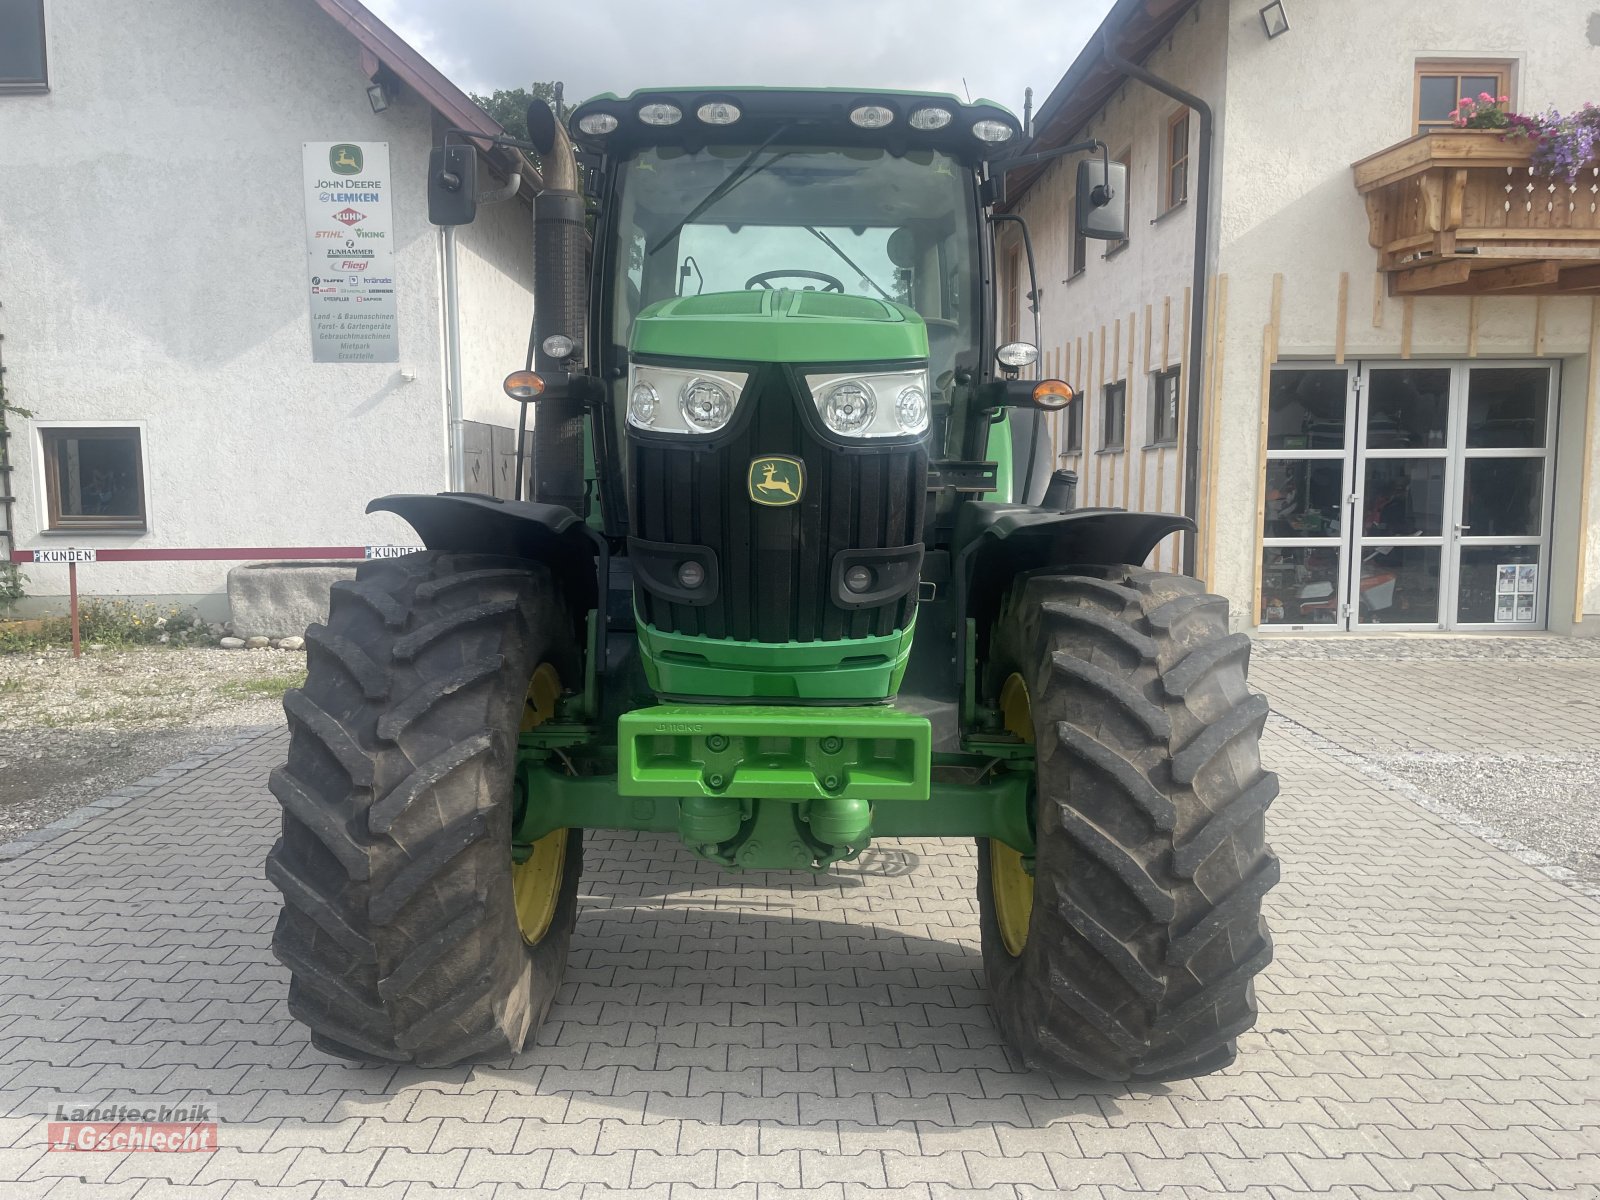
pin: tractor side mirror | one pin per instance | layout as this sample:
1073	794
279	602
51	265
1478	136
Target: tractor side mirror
1102	200
453	184
541	125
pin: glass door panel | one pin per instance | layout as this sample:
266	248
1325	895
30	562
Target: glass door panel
1500	536
1399	585
1404	483
1503	497
1301	585
1487	589
1407	408
1404	497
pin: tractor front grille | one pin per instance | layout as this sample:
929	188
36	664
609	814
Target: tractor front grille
775	563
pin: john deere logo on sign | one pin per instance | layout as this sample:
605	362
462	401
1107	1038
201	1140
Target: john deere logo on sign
345	159
776	480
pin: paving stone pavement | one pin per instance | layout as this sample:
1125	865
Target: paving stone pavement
1431	1026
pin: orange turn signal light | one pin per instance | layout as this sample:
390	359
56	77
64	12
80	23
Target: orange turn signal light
524	385
1053	394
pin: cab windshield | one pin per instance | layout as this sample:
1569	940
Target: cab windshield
861	222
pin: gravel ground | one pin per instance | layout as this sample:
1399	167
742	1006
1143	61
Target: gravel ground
1425	647
72	731
1543	801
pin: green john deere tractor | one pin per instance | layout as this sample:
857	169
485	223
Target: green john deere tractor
778	591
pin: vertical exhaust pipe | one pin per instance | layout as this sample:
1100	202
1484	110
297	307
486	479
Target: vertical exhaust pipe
560	305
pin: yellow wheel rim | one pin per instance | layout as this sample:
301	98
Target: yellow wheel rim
1009	884
536	883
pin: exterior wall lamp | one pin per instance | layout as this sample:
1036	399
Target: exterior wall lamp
377	97
1274	20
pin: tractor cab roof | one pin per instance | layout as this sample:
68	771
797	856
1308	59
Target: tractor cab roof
896	121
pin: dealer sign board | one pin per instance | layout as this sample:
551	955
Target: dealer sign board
350	252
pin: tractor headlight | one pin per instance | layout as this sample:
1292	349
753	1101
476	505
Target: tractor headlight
706	404
891	404
671	400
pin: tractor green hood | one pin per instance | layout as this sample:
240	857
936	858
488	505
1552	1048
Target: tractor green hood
782	327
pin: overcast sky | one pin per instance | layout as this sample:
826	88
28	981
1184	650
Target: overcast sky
998	46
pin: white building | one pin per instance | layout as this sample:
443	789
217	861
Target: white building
156	285
1401	330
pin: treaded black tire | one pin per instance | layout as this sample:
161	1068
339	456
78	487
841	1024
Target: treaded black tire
1146	929
398	924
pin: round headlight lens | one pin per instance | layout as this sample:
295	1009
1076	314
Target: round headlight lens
911	409
660	113
558	345
930	118
691	574
718	112
858	579
706	405
642	404
1017	354
848	407
871	116
992	131
597	124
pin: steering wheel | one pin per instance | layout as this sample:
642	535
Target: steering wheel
829	283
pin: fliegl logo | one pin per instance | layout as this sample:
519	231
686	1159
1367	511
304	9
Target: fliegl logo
345	159
776	480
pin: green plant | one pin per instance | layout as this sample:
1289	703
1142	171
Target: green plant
111	623
12	585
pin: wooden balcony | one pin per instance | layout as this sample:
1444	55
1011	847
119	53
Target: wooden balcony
1462	214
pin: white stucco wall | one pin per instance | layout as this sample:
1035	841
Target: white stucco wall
152	242
1108	300
1288	205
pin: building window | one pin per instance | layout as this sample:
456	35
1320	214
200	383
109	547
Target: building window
1175	161
22	46
1124	156
1074	443
1114	411
1441	85
94	479
1164	406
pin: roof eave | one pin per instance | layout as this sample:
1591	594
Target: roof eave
444	97
1136	27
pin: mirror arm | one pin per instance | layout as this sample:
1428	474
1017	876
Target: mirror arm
497	139
1038	340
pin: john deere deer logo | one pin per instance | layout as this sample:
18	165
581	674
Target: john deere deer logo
345	159
776	481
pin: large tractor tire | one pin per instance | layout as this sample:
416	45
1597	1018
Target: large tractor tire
1129	953
409	933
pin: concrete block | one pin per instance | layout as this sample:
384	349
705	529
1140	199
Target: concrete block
279	599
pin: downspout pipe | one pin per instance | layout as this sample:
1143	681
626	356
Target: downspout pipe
450	283
455	409
1197	310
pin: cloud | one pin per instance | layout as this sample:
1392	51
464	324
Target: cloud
998	48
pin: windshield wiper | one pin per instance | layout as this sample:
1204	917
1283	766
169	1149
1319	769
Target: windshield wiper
832	245
740	173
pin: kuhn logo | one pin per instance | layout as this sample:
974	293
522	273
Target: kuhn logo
349	216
